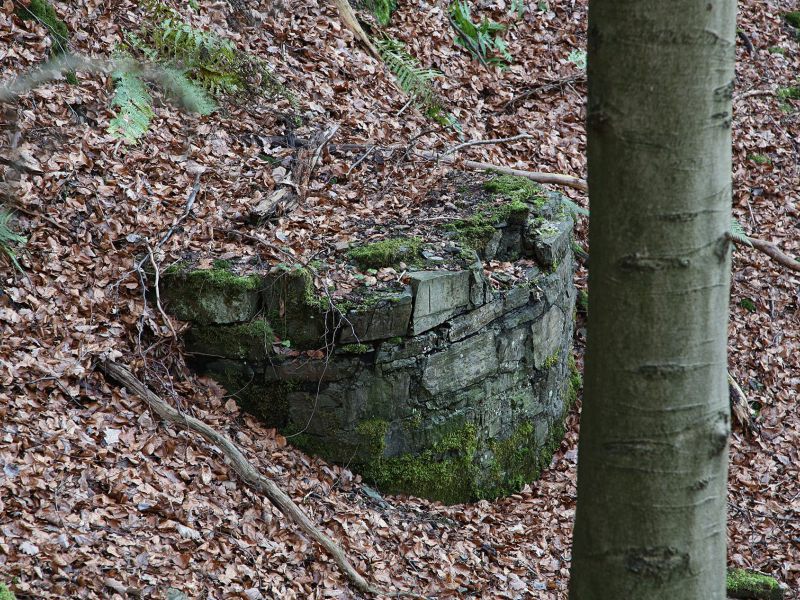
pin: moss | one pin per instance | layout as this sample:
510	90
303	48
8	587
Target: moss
246	341
789	93
295	310
386	253
476	231
516	462
575	382
43	12
552	360
5	593
759	159
741	583
372	437
446	472
792	18
222	278
382	9
516	189
355	348
777	50
583	301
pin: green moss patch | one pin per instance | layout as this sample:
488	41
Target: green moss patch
43	12
245	341
476	231
792	18
446	472
386	253
515	189
5	593
741	583
355	349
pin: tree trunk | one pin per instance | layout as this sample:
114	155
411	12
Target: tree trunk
650	519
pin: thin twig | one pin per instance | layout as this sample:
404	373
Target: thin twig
361	159
751	93
164	316
521	136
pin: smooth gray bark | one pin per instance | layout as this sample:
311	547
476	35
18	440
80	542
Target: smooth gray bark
652	471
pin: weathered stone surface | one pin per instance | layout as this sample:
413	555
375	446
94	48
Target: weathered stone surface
210	296
438	295
475	320
461	365
386	318
547	336
245	341
551	242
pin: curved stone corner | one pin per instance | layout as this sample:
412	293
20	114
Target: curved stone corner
442	386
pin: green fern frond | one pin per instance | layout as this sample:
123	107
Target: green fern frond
738	233
133	102
185	92
9	239
416	81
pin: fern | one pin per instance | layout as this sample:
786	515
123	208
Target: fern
9	239
738	233
416	81
133	102
185	92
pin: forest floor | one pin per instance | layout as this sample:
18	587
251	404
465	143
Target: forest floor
97	496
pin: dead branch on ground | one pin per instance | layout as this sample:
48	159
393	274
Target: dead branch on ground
349	19
292	190
769	249
249	474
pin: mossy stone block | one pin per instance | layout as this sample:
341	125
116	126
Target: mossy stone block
211	296
742	583
294	310
461	365
438	295
384	317
245	341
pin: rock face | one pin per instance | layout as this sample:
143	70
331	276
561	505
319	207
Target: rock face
446	387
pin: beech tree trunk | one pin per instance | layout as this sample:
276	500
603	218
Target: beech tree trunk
652	467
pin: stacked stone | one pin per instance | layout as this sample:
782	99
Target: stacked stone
447	388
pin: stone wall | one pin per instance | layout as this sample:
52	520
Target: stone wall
441	386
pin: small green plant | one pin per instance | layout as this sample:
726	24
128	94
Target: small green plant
748	304
789	93
578	58
382	9
416	81
192	65
133	103
9	239
792	18
484	40
516	9
44	13
759	159
777	50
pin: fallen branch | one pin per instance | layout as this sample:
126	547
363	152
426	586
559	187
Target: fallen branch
769	249
249	474
545	87
292	189
751	93
349	19
513	138
552	178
